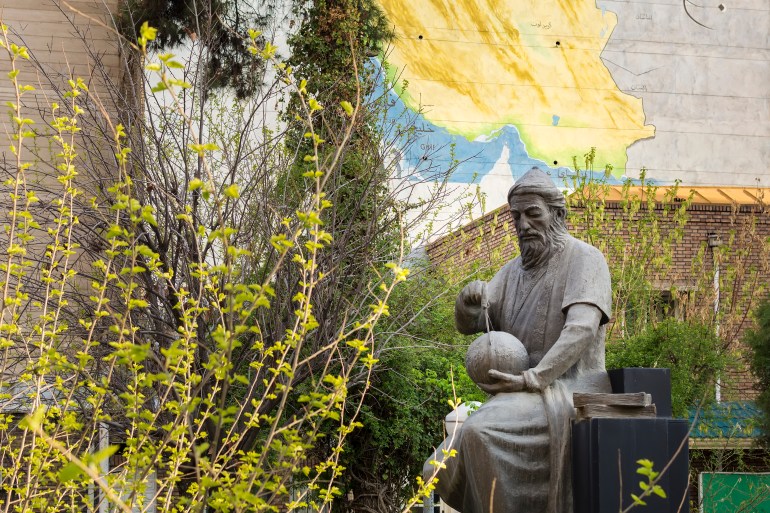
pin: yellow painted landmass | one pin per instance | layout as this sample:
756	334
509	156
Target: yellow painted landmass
482	64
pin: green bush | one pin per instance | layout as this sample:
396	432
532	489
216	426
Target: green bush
421	366
759	341
692	351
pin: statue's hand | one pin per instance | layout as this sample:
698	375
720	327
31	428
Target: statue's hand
505	382
474	294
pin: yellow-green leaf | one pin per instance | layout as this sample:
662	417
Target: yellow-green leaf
69	472
147	32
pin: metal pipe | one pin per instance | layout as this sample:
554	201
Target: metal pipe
714	242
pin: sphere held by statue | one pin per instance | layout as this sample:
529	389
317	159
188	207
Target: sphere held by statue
496	350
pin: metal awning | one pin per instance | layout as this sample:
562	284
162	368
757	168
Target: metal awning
714	195
725	425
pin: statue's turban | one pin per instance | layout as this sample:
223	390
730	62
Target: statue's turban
537	182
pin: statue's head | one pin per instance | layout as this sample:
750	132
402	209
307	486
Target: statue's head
539	214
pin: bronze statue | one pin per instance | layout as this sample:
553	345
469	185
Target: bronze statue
513	453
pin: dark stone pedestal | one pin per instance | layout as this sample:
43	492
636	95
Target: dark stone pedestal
605	450
598	444
656	382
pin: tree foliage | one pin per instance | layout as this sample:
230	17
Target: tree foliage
166	297
691	350
221	24
334	36
758	340
652	284
639	244
421	366
402	412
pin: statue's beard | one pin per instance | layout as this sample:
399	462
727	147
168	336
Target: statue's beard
537	247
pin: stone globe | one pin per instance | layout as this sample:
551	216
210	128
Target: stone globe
497	350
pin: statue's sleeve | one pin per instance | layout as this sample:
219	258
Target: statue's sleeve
579	332
588	281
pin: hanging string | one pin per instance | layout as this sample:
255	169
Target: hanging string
485	308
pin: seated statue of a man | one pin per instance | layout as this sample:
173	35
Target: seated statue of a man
513	453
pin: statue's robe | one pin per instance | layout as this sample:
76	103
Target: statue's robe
513	453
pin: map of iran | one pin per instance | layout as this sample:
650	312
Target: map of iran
474	68
676	87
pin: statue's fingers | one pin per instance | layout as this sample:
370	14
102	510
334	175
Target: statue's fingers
503	376
492	388
470	296
476	292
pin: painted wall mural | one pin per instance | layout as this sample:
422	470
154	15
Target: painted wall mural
679	87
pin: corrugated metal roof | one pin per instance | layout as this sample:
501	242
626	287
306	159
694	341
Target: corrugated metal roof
701	194
727	420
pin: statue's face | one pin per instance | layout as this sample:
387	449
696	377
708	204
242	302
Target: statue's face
531	217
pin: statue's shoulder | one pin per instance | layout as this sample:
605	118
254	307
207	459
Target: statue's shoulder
511	266
583	250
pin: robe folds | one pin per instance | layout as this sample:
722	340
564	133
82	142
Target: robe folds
513	453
